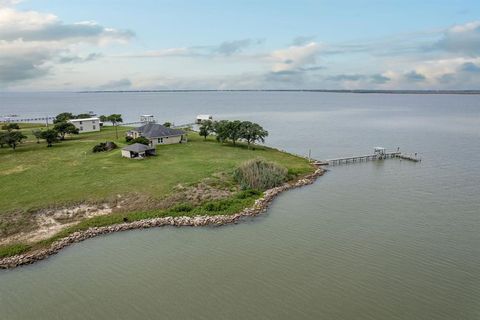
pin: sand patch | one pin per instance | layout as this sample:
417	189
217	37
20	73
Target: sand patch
50	222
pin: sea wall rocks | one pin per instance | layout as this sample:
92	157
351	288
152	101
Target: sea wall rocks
259	206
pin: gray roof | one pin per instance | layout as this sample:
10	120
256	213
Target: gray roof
137	147
155	130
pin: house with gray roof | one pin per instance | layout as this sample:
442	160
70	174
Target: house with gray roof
138	151
158	134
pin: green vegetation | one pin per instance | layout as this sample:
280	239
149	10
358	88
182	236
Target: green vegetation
260	174
34	177
234	131
141	140
13	249
64	128
104	146
115	119
73	173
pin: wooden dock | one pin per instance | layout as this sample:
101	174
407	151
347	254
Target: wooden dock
365	158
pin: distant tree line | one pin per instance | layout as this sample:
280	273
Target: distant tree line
234	131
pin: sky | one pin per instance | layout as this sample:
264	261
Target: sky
59	45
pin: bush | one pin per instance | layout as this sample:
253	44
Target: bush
104	146
218	205
182	207
141	140
260	174
248	194
128	139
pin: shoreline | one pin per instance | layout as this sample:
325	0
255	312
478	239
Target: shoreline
260	206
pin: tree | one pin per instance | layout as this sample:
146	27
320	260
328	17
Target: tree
115	119
13	138
253	132
221	130
11	126
37	134
64	128
3	139
167	124
103	118
83	116
63	117
206	128
50	136
234	130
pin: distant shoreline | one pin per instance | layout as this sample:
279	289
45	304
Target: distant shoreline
470	92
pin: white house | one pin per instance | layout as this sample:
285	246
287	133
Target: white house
158	134
86	125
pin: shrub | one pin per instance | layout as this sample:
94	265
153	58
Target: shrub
182	207
248	194
217	205
128	139
141	140
260	174
104	146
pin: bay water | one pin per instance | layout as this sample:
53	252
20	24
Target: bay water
386	239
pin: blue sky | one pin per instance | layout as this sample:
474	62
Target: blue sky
78	45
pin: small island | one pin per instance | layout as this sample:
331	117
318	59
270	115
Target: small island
60	187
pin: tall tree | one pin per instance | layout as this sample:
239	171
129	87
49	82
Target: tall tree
221	130
64	128
253	132
234	129
50	136
83	116
115	119
63	117
206	128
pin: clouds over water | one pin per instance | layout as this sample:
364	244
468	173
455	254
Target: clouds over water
39	46
31	43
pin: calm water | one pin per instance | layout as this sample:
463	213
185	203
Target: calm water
378	240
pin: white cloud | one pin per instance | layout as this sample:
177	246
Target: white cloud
294	57
462	39
32	42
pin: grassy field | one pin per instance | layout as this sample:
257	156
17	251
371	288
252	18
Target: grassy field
34	177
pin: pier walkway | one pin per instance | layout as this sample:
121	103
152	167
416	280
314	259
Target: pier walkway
365	158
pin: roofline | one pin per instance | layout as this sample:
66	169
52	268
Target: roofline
84	119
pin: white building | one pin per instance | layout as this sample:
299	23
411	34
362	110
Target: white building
147	118
86	125
203	117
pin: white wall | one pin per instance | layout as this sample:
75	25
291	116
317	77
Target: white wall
166	140
86	125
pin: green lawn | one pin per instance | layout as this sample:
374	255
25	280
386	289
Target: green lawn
35	177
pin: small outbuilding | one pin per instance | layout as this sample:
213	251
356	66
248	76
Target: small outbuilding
138	151
203	117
